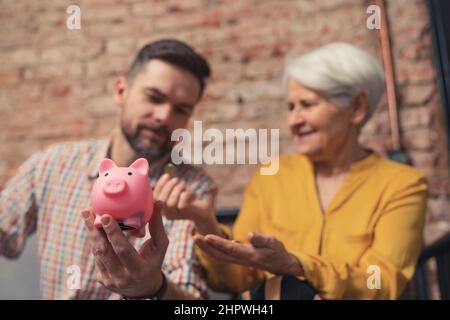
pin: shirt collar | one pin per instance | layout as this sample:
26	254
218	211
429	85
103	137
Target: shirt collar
358	166
366	162
103	151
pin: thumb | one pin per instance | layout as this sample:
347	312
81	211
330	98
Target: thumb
207	200
259	240
156	226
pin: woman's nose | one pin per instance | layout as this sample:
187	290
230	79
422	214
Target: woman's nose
296	116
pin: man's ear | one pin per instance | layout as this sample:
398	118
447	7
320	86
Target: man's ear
360	108
120	91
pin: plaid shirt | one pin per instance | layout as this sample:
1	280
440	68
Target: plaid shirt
48	194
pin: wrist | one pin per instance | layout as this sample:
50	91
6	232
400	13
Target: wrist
295	267
207	224
156	293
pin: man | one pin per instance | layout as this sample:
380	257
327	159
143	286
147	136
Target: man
51	190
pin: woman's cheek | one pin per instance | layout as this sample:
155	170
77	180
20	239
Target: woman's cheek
322	142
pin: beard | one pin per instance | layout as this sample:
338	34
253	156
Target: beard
147	147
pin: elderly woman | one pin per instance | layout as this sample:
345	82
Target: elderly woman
336	216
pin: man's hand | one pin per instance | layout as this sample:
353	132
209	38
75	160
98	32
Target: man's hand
182	203
119	267
263	252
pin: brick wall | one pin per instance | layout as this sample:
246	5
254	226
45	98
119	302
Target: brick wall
56	84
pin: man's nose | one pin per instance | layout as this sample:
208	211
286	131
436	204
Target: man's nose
163	113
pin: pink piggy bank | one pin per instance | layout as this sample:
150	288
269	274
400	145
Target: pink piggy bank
125	194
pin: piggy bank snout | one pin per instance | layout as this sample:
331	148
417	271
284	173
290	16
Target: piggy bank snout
114	186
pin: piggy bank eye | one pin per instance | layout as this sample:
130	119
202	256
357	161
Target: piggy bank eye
130	173
106	174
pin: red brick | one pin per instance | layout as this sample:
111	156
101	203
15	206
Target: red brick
245	43
9	77
419	117
52	71
418	94
105	13
420	139
105	66
179	21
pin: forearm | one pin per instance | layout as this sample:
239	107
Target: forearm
176	292
228	277
13	235
295	267
355	282
208	225
18	212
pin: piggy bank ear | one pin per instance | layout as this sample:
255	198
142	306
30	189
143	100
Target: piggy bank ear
105	165
141	165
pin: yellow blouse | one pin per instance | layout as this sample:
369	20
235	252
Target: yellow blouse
372	227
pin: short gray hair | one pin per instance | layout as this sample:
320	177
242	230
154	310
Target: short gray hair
339	71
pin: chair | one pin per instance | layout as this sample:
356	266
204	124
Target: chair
439	250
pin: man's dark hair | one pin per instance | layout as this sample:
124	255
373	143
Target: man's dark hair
174	52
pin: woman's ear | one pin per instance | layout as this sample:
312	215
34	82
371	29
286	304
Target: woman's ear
360	108
120	91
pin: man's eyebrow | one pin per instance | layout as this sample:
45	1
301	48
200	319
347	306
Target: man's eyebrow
155	91
158	92
185	105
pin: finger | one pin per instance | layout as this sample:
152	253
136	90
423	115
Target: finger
135	233
211	194
148	246
160	183
126	253
101	248
260	240
89	218
207	200
185	198
156	228
213	252
170	214
234	249
174	196
157	206
198	237
167	189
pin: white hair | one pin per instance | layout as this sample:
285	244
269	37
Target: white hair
339	71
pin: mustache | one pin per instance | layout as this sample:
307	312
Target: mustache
154	127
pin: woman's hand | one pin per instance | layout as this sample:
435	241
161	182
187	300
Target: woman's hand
263	252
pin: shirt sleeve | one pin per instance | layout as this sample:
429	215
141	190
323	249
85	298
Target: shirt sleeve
392	256
18	209
181	265
225	277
